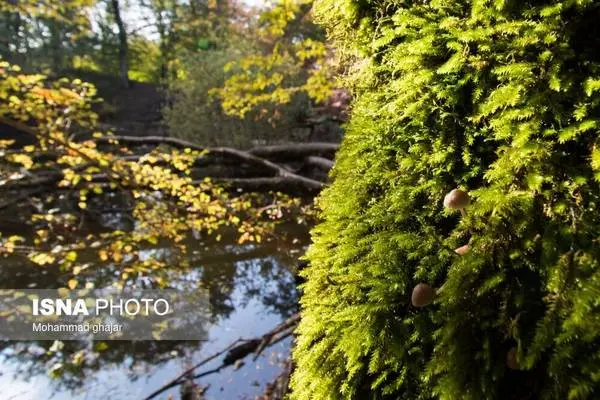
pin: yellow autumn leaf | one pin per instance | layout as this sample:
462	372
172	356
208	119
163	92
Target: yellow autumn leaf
71	256
72	284
69	93
41	258
8	247
43	92
6	143
14	100
22	159
117	256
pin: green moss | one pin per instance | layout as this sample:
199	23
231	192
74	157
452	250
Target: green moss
500	99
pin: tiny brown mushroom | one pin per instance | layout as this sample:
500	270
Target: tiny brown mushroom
456	199
462	250
422	295
511	359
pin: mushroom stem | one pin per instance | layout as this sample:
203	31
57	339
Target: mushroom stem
463	212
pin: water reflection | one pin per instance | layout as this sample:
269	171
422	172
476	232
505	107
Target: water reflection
251	289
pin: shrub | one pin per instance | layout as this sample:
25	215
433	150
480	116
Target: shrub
194	114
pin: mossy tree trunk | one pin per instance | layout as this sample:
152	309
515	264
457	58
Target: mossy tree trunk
502	100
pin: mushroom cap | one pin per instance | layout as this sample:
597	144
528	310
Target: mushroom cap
422	295
462	250
456	199
511	359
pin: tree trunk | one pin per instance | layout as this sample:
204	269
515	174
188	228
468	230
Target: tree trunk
6	37
56	49
162	35
123	47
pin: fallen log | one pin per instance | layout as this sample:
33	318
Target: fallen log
320	162
178	143
279	183
281	150
241	155
295	150
284	179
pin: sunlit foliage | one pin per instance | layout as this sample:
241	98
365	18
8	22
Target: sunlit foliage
61	180
291	57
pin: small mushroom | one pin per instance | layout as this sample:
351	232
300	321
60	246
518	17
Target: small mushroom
457	200
511	359
462	250
422	295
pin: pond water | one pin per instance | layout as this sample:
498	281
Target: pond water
251	289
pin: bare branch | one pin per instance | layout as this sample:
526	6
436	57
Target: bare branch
320	162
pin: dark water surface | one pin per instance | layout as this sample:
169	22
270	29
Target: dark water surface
251	289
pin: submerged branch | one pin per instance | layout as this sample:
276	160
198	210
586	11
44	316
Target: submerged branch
237	350
179	379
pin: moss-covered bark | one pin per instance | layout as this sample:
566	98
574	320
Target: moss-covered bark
500	99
